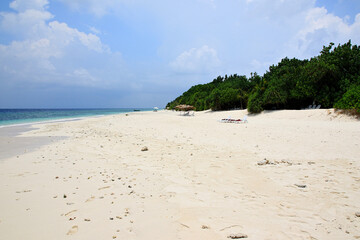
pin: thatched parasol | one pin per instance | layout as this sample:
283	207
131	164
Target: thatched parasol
184	107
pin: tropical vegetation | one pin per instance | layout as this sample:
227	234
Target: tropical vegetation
331	79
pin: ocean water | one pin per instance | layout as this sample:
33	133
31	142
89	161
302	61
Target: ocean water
25	116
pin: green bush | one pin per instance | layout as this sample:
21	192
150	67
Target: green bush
351	99
255	103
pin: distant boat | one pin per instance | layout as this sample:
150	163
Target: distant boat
136	110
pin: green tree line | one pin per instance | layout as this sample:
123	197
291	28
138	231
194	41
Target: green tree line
331	79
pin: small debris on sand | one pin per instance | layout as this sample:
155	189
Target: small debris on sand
237	236
268	162
263	162
144	149
73	230
300	185
69	213
357	214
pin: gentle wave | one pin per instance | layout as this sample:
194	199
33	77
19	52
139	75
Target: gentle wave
21	117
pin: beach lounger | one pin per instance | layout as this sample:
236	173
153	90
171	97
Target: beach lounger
244	120
318	107
231	120
188	113
226	120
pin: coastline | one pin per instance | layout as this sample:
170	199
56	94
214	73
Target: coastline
27	124
58	115
12	144
199	178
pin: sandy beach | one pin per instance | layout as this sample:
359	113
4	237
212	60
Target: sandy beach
197	179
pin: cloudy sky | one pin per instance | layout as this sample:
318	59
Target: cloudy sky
136	53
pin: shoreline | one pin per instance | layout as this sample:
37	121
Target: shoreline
198	178
42	122
62	119
13	144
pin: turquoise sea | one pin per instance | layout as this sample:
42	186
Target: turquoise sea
24	116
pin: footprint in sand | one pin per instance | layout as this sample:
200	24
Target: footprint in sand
90	199
73	230
69	213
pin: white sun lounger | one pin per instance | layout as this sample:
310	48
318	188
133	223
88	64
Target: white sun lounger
225	120
230	120
244	120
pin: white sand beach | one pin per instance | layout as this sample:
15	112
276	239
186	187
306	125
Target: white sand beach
199	178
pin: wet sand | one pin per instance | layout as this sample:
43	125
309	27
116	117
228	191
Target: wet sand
13	144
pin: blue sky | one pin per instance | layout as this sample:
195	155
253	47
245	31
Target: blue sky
136	53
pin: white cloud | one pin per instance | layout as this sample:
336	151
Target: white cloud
276	10
46	47
65	35
30	23
259	66
320	28
84	77
96	7
273	27
95	30
196	60
23	5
